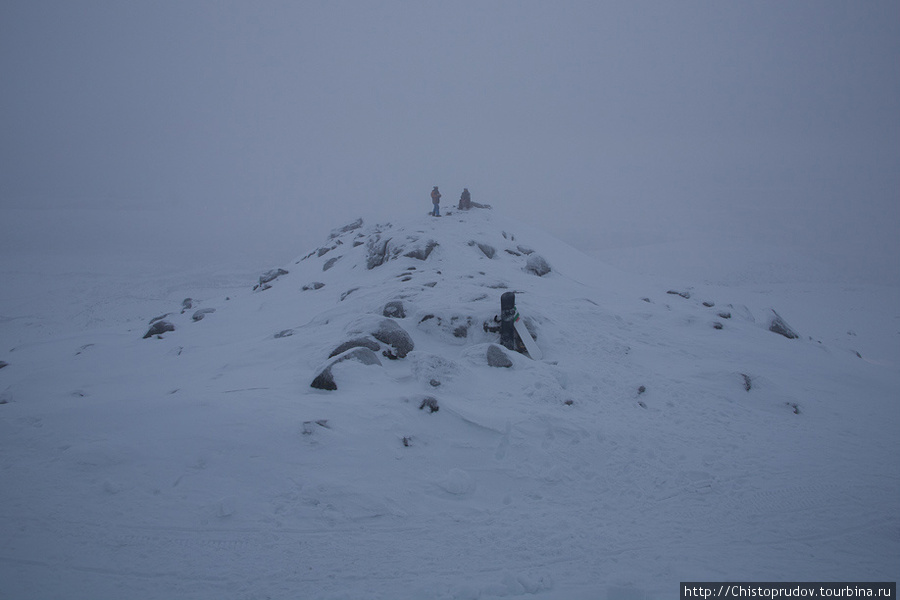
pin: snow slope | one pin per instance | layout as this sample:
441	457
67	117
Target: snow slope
657	441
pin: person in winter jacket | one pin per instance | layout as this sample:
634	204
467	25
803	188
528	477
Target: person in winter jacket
436	200
465	200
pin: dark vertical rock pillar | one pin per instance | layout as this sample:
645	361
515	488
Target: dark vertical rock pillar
507	320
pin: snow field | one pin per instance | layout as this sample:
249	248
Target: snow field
631	458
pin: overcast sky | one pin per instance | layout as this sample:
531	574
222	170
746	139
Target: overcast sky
602	121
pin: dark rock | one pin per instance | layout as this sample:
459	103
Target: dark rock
309	427
323	251
347	293
685	295
198	315
642	389
537	265
460	331
159	328
717	325
330	263
748	384
496	357
394	310
513	252
325	379
430	403
724	315
355	343
315	285
779	326
346	229
270	276
486	249
395	336
524	250
360	354
376	251
159	318
3	363
709	304
284	333
423	252
492	326
186	305
434	383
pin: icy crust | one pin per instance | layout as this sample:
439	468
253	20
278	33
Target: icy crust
201	462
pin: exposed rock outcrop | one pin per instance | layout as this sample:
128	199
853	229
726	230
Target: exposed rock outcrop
778	325
158	328
325	379
390	333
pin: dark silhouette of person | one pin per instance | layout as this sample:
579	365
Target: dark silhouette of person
436	200
465	200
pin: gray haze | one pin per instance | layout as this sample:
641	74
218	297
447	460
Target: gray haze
255	127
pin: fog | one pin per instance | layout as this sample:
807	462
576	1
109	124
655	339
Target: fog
250	129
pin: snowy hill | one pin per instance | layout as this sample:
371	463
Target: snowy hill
666	434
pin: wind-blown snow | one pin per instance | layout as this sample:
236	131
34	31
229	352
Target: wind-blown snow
658	440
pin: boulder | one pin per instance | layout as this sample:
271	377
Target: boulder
394	310
198	315
496	357
159	328
325	379
431	403
330	263
537	265
779	326
486	249
346	229
390	333
422	252
376	250
270	276
355	343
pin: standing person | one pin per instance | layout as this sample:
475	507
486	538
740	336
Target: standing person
465	200
436	200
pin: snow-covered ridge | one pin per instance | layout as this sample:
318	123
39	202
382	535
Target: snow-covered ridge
667	434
